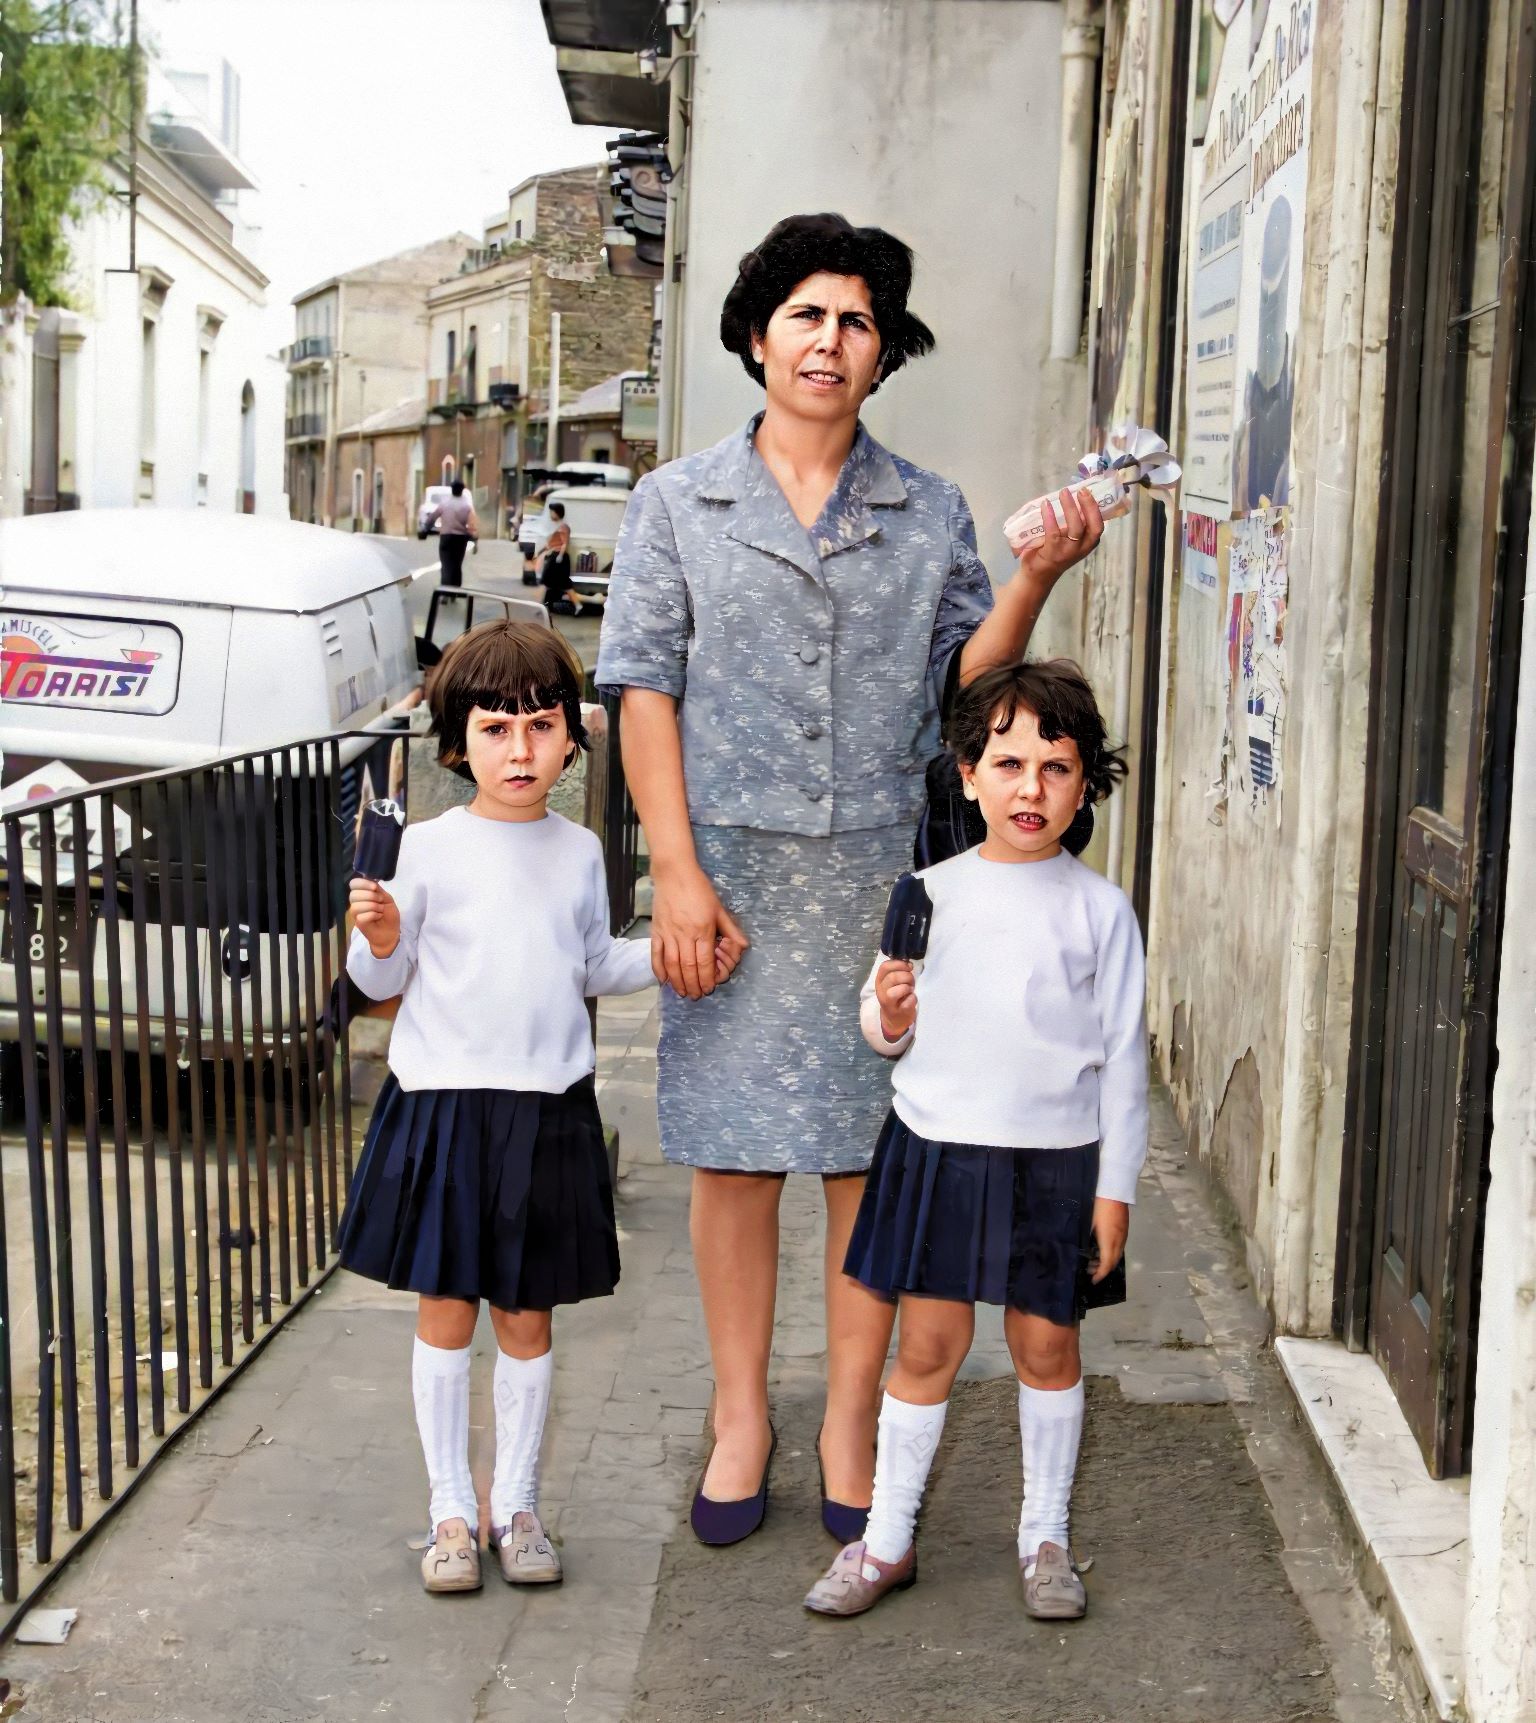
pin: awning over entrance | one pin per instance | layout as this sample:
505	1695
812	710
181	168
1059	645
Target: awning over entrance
596	42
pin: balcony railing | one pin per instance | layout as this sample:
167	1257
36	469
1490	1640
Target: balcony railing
303	425
309	348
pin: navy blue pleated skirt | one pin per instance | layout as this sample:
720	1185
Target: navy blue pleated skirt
485	1193
981	1225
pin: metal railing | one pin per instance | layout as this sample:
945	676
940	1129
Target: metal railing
177	1135
179	1114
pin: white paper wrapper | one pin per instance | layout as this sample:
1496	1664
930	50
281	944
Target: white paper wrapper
1132	456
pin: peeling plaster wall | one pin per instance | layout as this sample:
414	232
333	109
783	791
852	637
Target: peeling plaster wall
1251	948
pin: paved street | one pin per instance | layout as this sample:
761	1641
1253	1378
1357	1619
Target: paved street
265	1572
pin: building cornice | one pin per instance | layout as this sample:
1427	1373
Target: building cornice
163	185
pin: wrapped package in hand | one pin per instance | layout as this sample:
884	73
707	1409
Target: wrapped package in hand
1132	456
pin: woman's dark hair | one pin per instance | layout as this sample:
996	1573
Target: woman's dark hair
557	510
805	245
1058	694
457	487
502	667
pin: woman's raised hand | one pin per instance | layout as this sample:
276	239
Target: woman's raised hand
695	942
1073	528
376	916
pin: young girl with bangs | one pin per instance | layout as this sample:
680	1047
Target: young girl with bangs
484	1174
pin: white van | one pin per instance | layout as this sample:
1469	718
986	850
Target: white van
144	639
148	638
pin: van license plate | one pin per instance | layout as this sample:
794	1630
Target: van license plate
63	928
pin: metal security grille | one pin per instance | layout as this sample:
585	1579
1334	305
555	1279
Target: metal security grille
178	1111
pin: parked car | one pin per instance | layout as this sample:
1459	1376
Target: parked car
145	640
593	513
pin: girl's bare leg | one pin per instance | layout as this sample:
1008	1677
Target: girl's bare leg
734	1223
1045	1354
858	1338
936	1334
522	1333
446	1322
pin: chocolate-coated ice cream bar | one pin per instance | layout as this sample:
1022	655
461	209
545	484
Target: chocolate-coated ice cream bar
907	920
378	840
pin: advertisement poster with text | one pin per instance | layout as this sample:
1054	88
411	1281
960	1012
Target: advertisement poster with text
1249	174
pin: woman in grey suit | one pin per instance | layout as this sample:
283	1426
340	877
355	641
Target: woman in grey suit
785	613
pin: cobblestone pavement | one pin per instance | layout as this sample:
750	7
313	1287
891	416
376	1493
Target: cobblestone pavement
263	1574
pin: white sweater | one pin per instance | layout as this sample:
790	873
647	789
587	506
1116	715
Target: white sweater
1031	1015
503	935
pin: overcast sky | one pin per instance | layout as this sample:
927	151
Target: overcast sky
373	125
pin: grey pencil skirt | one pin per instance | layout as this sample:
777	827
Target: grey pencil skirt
770	1073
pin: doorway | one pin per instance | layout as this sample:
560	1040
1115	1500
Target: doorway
1445	656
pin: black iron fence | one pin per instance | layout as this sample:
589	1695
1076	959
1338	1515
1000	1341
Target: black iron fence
177	1120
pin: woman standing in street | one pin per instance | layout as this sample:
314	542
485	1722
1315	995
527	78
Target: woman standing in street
786	612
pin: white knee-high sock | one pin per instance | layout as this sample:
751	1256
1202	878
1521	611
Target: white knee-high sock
522	1403
440	1379
909	1438
1050	1430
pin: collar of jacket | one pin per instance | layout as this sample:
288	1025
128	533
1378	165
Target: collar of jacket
760	514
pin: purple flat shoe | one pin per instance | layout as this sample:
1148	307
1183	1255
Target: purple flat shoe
845	1522
721	1523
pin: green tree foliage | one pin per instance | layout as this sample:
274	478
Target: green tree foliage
65	99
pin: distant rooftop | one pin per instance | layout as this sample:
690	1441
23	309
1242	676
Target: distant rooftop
435	251
403	416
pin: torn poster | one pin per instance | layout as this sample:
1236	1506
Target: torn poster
1257	693
1200	553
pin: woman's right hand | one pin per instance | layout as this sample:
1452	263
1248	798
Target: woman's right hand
693	935
376	916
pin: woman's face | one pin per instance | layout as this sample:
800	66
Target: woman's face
821	350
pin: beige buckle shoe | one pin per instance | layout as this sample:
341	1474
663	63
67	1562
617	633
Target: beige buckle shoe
856	1581
452	1561
1053	1591
527	1555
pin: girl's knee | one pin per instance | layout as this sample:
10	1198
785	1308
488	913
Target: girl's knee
523	1333
1045	1354
932	1353
446	1322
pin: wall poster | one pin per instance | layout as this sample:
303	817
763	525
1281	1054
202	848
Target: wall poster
1248	178
1249	181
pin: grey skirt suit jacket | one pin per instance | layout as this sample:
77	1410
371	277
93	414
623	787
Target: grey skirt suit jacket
809	667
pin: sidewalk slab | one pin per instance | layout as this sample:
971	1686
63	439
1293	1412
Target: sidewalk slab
265	1574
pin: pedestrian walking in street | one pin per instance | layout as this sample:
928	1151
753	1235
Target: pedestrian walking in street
484	1174
813	597
560	597
1009	1159
457	527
